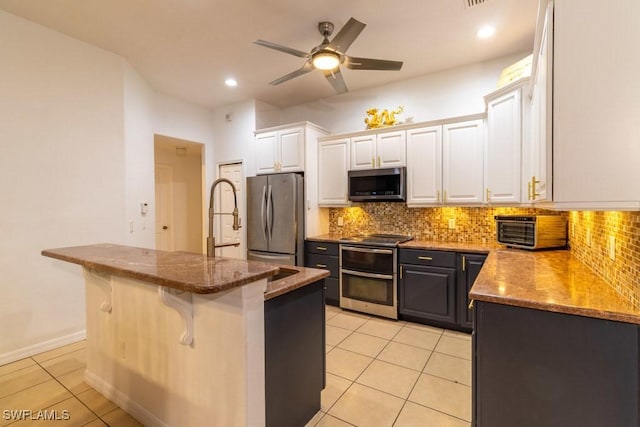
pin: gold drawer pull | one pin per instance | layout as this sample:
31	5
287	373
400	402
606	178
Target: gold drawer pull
321	248
321	265
425	258
471	304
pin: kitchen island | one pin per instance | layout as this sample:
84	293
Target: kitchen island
553	344
183	339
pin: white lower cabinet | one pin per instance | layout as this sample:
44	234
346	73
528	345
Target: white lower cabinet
445	164
333	164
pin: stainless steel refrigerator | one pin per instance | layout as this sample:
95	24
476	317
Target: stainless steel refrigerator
275	219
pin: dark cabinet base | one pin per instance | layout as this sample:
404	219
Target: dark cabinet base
537	368
294	355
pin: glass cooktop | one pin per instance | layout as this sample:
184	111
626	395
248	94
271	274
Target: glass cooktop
377	239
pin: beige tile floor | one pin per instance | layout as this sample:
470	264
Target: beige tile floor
379	373
394	373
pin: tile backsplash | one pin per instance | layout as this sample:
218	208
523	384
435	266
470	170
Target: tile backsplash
473	225
590	239
589	233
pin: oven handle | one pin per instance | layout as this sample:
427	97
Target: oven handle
366	250
369	275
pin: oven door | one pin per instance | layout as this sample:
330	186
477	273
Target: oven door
368	280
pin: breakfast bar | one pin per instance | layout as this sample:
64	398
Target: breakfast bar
185	339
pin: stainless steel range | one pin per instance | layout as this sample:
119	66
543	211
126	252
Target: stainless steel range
368	273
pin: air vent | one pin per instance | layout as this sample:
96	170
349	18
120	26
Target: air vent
472	3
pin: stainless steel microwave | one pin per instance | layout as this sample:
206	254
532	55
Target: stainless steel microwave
378	185
531	231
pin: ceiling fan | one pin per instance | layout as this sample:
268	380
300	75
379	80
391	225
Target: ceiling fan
328	55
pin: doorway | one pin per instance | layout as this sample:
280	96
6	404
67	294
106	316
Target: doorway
179	171
224	204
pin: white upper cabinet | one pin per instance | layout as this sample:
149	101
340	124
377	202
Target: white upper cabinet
462	162
502	161
333	163
444	164
596	104
538	163
382	150
424	166
280	150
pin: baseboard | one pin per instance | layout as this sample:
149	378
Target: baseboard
133	408
31	350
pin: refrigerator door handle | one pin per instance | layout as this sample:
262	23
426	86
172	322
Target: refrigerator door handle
262	205
269	224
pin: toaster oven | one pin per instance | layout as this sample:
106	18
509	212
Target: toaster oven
531	231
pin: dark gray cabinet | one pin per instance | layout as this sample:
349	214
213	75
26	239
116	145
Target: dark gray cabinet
469	266
433	287
536	368
325	255
294	355
427	286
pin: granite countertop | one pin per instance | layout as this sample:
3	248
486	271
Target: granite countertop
552	280
189	272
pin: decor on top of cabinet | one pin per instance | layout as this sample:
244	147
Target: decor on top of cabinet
383	119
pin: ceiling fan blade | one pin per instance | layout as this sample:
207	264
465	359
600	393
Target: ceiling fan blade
372	64
297	73
334	77
285	49
347	35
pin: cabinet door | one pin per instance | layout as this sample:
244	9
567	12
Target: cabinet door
427	293
462	162
503	147
541	137
333	162
291	150
363	152
424	166
266	148
391	149
469	268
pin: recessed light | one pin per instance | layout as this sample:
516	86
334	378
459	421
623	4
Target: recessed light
231	82
486	32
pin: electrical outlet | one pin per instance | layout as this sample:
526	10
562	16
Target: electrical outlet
587	237
612	248
452	223
340	221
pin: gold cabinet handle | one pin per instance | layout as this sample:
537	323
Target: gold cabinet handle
470	304
533	183
529	190
373	162
438	197
464	263
321	265
444	197
425	258
378	161
401	271
488	195
321	248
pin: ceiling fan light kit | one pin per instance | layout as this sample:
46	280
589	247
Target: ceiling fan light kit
328	56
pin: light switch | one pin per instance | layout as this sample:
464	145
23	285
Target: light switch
612	248
452	223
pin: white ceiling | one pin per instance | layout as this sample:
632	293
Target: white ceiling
186	48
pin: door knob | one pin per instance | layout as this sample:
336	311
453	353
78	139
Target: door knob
165	227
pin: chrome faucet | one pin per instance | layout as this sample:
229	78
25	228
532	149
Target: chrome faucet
211	240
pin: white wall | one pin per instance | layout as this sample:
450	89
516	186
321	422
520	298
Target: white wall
139	159
63	177
77	137
450	93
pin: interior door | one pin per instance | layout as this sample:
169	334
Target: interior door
232	172
164	207
257	214
282	199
